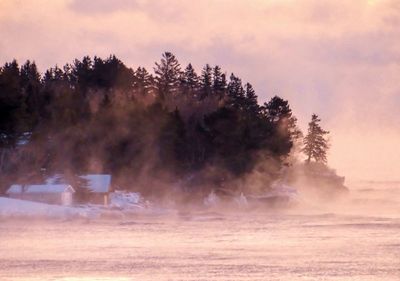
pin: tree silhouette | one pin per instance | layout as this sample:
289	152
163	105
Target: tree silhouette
14	117
315	144
98	115
206	82
278	111
168	73
250	100
144	82
190	81
219	82
236	93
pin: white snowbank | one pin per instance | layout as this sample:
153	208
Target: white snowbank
21	208
127	200
121	204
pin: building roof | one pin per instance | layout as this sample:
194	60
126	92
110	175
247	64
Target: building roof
98	183
40	188
56	179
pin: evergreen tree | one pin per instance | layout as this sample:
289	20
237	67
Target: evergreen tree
54	74
236	94
315	144
112	74
219	82
144	82
250	102
29	74
31	88
190	81
206	82
278	111
55	83
81	73
168	73
14	120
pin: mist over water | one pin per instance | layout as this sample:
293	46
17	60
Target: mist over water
355	238
209	180
366	199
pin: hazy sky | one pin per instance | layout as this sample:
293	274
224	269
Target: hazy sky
339	59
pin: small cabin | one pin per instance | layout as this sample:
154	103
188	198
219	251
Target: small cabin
60	194
100	187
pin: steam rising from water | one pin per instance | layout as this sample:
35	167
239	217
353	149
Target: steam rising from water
320	242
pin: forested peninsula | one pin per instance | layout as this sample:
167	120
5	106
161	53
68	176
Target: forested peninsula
174	130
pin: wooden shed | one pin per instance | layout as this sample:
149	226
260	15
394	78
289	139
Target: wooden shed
99	186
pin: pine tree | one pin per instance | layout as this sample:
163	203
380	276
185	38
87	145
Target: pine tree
110	74
219	82
31	88
315	144
14	120
250	101
143	84
206	82
29	74
278	111
236	94
168	73
81	73
190	81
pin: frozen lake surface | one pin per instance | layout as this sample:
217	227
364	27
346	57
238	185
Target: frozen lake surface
361	242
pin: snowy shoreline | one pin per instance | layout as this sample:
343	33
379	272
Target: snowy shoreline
15	208
126	204
21	209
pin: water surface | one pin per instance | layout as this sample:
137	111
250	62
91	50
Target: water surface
278	245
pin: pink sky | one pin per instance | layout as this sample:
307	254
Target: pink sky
339	59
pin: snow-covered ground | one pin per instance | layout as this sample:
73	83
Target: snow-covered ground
127	200
121	204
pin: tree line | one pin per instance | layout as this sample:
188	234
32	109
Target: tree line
175	129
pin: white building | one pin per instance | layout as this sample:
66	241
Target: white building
99	186
60	194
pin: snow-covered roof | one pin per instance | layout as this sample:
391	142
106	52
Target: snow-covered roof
40	188
98	183
56	179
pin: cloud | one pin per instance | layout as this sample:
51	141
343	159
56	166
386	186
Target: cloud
102	6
